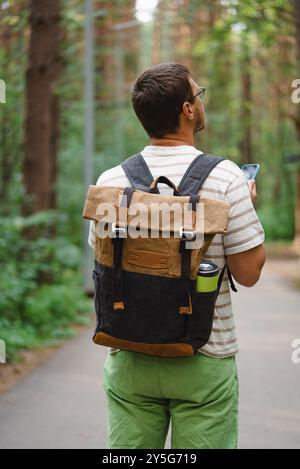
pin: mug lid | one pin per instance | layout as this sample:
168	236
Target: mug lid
208	268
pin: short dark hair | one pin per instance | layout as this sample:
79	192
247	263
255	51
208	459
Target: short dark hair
158	95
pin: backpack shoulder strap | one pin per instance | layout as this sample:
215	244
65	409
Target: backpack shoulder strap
137	171
191	183
197	172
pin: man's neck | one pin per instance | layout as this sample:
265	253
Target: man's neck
172	141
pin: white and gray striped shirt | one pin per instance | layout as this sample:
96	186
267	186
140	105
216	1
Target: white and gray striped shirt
244	231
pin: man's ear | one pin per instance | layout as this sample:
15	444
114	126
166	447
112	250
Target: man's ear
188	110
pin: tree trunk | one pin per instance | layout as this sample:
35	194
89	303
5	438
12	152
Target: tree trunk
41	115
297	125
246	99
6	166
11	40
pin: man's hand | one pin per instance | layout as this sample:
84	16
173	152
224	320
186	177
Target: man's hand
252	189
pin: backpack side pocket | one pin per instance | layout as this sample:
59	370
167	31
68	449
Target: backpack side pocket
97	295
201	320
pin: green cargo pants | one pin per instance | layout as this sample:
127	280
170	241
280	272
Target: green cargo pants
199	395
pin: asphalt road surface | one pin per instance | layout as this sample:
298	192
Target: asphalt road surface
61	404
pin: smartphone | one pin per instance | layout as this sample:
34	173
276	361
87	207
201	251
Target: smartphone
250	170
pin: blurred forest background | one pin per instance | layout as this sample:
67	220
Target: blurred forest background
246	54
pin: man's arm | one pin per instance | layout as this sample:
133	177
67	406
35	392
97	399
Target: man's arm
245	262
246	266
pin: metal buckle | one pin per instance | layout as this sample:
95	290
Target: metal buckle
186	234
118	231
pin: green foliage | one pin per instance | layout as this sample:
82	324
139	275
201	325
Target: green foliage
40	282
277	213
48	314
17	336
54	305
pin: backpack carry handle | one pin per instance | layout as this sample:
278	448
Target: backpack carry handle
165	180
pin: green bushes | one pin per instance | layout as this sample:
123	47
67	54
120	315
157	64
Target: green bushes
41	291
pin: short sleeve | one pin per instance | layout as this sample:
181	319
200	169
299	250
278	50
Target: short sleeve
244	230
92	231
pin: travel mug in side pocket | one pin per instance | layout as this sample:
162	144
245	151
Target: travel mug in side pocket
205	295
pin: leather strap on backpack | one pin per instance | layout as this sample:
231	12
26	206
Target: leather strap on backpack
186	254
232	285
185	298
118	296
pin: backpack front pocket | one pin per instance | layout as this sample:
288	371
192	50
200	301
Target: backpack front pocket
151	312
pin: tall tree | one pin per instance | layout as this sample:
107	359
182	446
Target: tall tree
41	119
297	123
12	35
246	100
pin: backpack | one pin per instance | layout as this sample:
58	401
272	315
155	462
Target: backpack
146	298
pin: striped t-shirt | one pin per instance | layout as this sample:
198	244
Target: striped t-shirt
244	231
